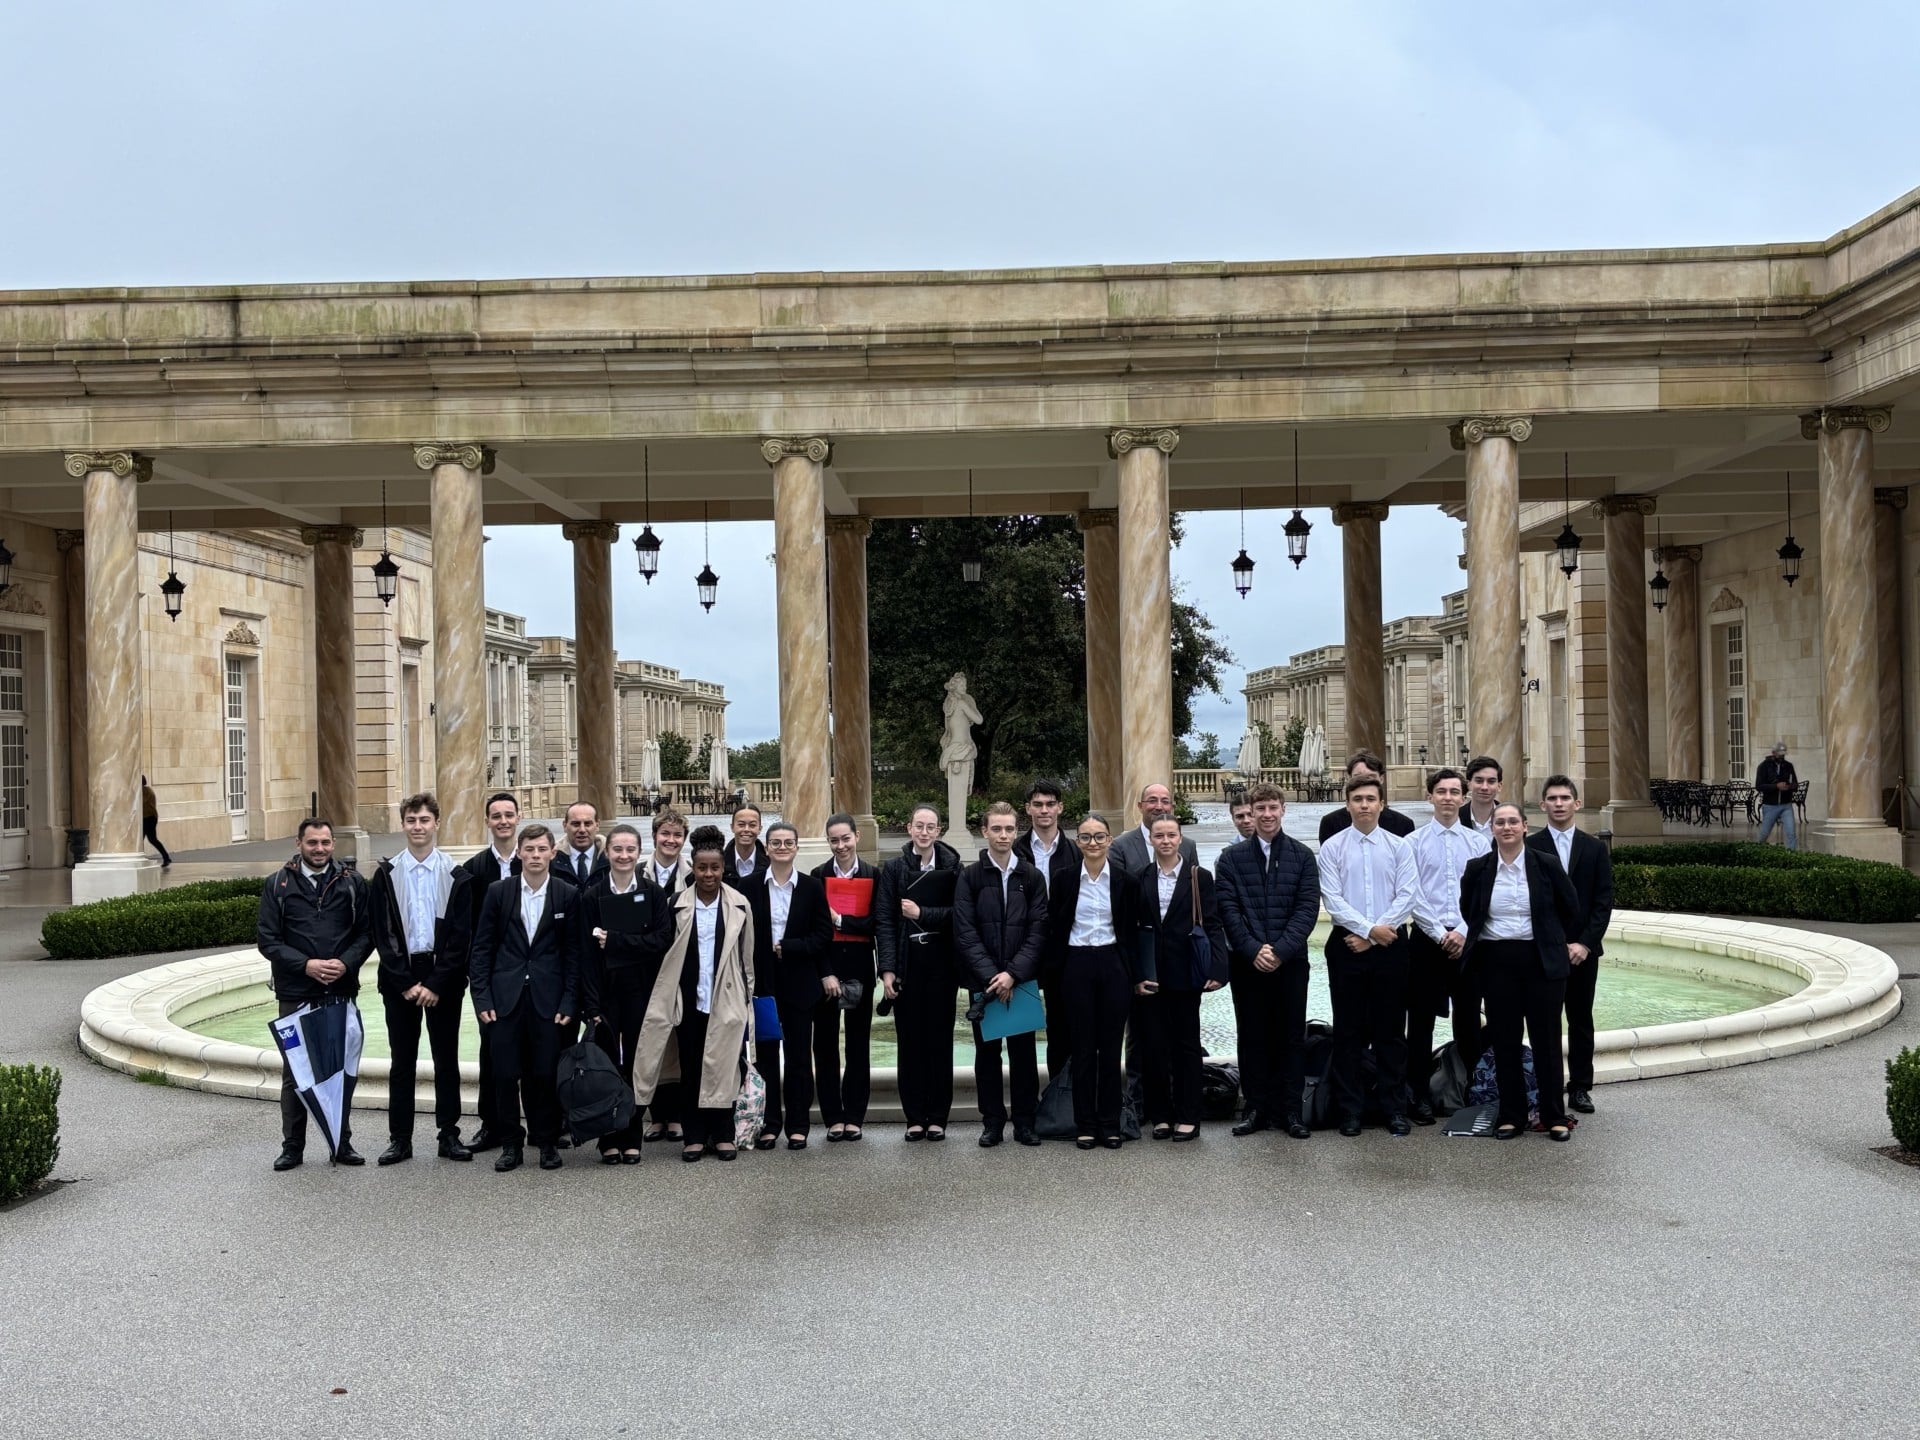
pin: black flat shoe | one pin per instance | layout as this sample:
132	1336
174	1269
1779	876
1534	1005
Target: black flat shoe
1161	1132
915	1132
1562	1133
1085	1142
797	1142
726	1152
349	1156
1399	1125
483	1140
1506	1132
1422	1113
288	1160
1112	1142
1298	1130
991	1135
936	1133
1349	1128
609	1157
655	1136
1179	1134
834	1137
692	1153
549	1157
452	1149
766	1140
1023	1135
396	1152
851	1134
629	1157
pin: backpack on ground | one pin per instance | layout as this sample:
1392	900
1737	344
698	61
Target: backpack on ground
594	1099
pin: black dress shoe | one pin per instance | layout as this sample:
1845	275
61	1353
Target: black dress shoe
452	1149
1112	1142
1349	1128
1252	1122
1023	1135
992	1134
483	1139
1399	1125
549	1157
510	1158
1193	1134
1580	1100
1422	1113
1298	1130
396	1152
565	1142
349	1156
288	1160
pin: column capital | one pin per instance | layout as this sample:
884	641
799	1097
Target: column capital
606	530
1663	553
432	453
816	448
346	535
1608	505
1164	438
121	462
1835	418
1892	495
1475	428
1085	520
1359	510
861	525
66	540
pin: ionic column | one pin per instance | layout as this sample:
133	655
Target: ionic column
1850	633
1492	446
115	702
1682	563
800	577
1629	810
459	639
1146	612
593	659
335	700
847	639
1100	541
1359	524
73	578
1888	519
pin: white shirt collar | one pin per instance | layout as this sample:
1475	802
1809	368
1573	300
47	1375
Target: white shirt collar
699	904
787	884
1087	877
527	890
850	871
1006	869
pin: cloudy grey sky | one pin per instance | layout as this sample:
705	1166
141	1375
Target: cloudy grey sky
197	143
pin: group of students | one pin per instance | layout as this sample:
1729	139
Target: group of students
681	956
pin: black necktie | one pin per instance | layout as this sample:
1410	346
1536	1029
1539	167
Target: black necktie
580	866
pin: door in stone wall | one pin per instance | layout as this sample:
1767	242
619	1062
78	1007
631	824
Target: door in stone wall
13	751
236	749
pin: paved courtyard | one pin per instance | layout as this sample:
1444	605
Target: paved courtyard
1717	1254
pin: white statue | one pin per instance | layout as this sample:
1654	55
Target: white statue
957	750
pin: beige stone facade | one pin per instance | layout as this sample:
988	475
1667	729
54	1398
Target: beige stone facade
650	700
1313	686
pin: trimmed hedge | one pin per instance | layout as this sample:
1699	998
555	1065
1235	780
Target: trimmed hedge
187	917
1903	1098
1742	878
29	1126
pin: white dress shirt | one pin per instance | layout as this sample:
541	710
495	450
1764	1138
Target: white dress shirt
424	887
532	902
503	862
1563	845
744	865
1043	856
1367	879
1093	911
706	926
1006	871
1510	916
665	876
1440	856
613	885
780	902
1166	880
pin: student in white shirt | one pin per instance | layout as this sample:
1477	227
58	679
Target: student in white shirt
1435	977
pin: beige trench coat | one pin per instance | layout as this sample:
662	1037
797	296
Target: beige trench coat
732	1004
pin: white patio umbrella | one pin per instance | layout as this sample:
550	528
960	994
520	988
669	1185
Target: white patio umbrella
650	765
1248	761
717	766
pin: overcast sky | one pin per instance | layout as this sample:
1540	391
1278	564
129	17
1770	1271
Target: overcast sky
205	144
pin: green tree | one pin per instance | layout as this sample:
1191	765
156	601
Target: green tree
702	761
759	761
1288	750
1207	757
676	756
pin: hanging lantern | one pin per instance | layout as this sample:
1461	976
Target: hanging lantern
971	561
646	545
1790	554
173	587
1567	547
6	568
1298	527
1242	566
706	583
386	574
1659	585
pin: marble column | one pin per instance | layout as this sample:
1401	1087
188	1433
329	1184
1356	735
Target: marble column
1100	539
847	641
1492	446
459	639
336	703
593	660
72	544
1146	613
116	706
1629	809
1682	620
1850	633
1359	523
800	579
1889	506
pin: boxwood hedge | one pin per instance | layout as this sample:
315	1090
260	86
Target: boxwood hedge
187	917
1903	1098
29	1126
1742	878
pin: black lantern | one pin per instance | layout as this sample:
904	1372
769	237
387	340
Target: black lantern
6	568
1659	584
1567	547
971	560
646	545
1298	526
706	582
173	587
386	574
1242	566
1790	554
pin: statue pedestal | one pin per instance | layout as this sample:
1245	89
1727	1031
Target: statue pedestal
956	806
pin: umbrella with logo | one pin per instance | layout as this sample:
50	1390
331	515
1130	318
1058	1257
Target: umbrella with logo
321	1044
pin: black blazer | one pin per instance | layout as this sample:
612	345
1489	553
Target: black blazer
1591	870
1391	821
483	871
794	977
1133	911
506	965
741	882
452	934
563	865
1172	936
1066	856
850	950
1549	895
641	948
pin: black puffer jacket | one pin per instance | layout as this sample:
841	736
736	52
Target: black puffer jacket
302	921
995	931
905	945
1266	902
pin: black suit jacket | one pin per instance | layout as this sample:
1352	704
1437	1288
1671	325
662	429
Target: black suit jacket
1066	855
1591	870
1133	902
640	947
483	872
850	955
507	966
741	882
1549	895
1172	934
1391	821
794	976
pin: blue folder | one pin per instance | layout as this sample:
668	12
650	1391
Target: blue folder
766	1019
1021	1013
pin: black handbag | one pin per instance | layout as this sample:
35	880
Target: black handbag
594	1099
1054	1118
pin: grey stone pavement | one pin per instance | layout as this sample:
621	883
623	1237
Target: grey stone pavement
1717	1254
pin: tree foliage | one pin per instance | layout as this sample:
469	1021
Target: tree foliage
759	761
676	757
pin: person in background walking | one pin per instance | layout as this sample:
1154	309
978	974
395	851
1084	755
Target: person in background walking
150	821
1777	785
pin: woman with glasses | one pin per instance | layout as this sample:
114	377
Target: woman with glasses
1100	955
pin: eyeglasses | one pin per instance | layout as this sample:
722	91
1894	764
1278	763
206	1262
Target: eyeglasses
1094	838
782	842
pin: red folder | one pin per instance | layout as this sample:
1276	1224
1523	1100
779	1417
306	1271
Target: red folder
852	898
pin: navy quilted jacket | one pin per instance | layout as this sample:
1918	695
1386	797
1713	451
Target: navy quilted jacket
1267	902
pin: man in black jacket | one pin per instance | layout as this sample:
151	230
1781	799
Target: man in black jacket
999	927
1268	892
1050	851
499	861
314	931
1589	864
583	858
422	922
1776	785
524	992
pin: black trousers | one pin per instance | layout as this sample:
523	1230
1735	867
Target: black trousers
697	1126
844	1089
150	828
1092	995
1369	1012
1023	1066
1433	978
488	1107
1060	1012
923	1020
624	1003
796	1057
1519	993
526	1050
1469	1034
1168	1025
1270	1015
403	1044
1582	981
293	1110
